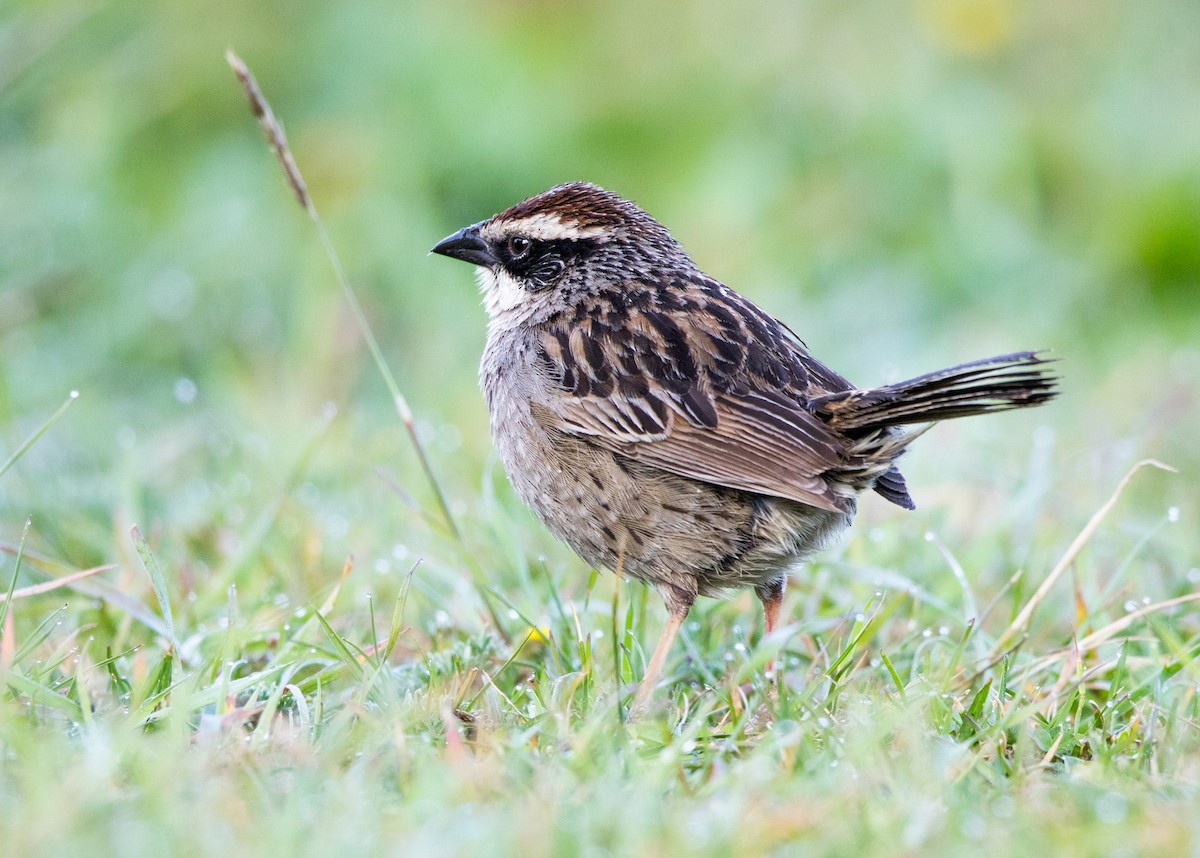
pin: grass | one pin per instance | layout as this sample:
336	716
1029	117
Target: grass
397	723
240	617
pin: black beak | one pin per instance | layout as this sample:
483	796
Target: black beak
467	246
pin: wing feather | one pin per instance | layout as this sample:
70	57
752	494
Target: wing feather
720	396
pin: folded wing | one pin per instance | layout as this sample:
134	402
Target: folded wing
721	398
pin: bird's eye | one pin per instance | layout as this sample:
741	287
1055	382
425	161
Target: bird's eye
518	246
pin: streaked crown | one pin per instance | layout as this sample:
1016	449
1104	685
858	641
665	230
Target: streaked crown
573	211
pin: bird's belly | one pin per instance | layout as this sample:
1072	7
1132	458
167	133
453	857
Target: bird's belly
667	530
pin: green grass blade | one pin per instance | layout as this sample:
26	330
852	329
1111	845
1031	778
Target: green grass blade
12	585
150	562
32	439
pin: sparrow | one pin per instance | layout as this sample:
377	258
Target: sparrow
668	429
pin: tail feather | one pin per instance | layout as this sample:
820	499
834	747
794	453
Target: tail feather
891	486
1019	380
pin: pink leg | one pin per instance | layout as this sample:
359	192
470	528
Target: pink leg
771	597
645	689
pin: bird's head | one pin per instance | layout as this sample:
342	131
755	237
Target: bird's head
542	254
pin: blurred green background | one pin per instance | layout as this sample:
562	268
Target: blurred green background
908	185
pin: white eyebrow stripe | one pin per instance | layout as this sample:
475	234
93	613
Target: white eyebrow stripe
548	227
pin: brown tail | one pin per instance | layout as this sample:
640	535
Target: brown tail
999	383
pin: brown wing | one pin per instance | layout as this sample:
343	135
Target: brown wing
720	397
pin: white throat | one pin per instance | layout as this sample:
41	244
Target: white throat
508	303
502	294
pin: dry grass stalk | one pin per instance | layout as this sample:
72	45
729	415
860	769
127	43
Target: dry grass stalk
271	127
261	109
1020	623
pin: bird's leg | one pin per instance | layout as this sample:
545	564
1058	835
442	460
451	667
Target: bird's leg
645	689
771	596
677	611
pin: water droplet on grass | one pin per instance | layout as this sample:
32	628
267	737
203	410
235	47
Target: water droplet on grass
185	391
